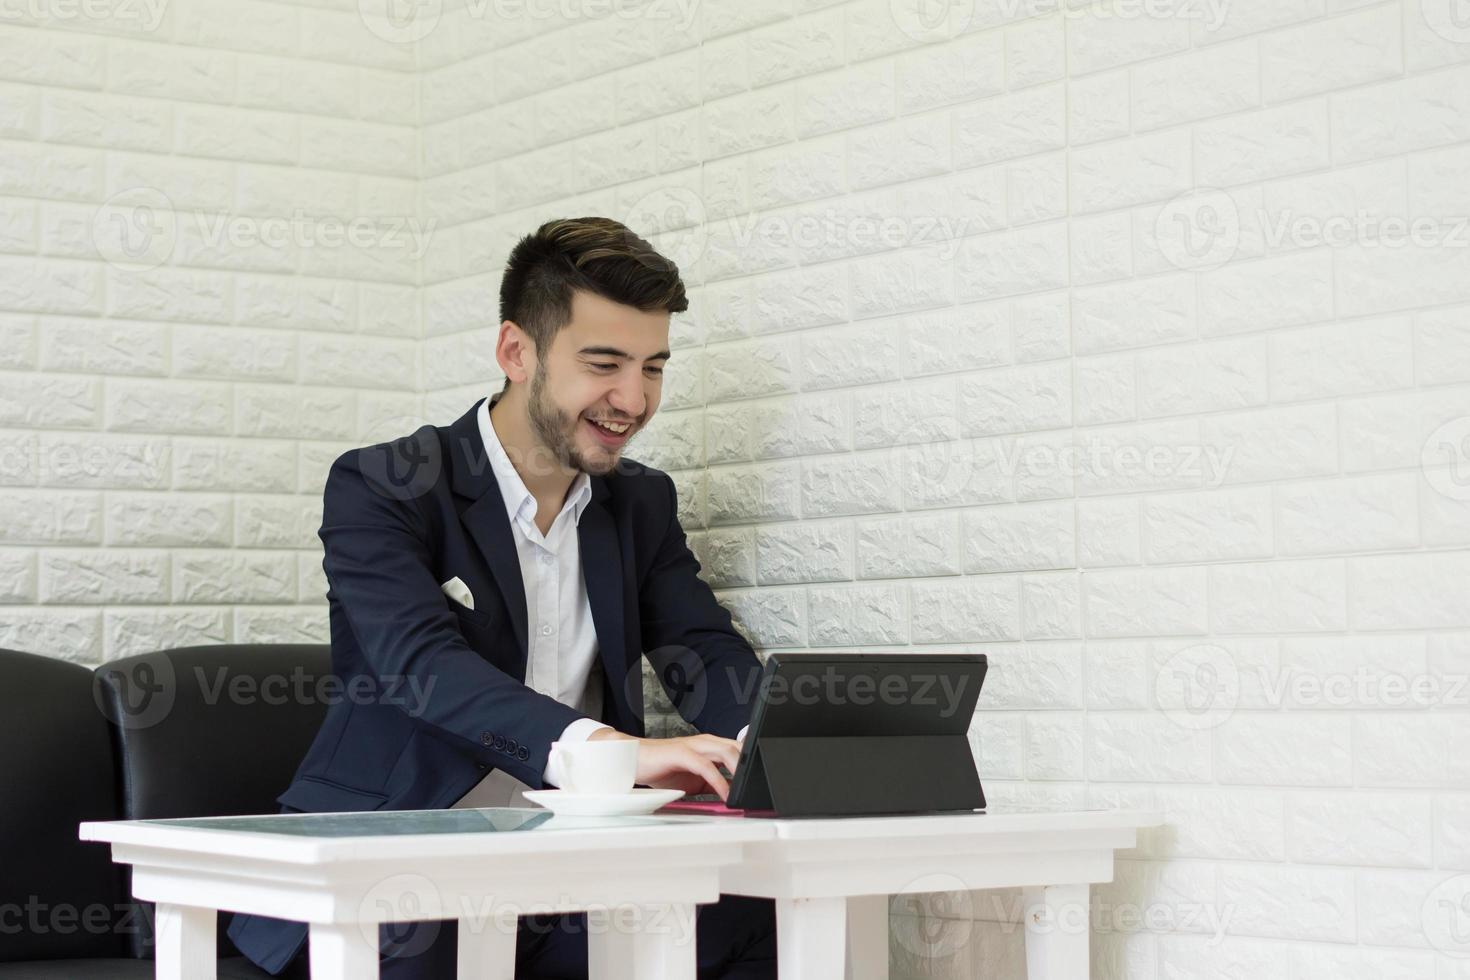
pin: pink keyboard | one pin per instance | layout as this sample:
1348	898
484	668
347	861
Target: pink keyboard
709	809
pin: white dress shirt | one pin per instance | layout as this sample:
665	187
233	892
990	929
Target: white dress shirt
562	659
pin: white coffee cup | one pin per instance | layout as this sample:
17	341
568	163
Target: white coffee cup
604	766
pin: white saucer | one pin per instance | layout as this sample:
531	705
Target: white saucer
639	800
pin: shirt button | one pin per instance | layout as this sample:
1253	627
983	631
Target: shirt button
546	631
546	559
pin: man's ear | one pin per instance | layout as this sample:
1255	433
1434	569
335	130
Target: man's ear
514	352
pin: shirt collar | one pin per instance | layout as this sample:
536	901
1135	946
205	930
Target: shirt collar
512	488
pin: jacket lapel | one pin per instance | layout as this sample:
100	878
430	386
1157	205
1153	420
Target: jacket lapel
485	519
602	571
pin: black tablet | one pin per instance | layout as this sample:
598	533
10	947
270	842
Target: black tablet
861	733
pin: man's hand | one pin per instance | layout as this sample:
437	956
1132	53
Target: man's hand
687	763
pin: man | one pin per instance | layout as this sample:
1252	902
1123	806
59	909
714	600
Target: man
498	580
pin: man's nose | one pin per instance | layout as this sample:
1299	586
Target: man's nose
627	397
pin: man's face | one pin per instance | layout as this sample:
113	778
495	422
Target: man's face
607	364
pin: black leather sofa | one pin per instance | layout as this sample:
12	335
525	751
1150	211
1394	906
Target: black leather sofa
196	731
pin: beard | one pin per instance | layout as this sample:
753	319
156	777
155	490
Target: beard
557	431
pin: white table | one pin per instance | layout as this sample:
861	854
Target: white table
639	879
826	874
831	880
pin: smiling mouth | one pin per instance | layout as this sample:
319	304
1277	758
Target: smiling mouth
608	436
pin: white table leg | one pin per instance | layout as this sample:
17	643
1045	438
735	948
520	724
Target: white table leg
486	951
867	937
340	951
811	936
655	944
1057	927
184	942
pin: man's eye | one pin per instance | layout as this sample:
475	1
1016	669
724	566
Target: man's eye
605	366
655	371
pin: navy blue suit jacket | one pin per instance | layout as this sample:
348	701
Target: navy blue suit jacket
439	697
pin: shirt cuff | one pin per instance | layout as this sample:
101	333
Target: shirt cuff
741	736
577	731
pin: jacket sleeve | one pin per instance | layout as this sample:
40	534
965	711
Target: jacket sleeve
707	668
379	569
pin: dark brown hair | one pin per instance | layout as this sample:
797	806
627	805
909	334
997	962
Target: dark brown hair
599	255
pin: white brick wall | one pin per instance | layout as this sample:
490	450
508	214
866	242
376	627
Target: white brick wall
1268	485
167	410
1092	336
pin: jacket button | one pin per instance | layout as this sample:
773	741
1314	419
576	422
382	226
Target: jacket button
523	754
500	743
512	745
484	738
